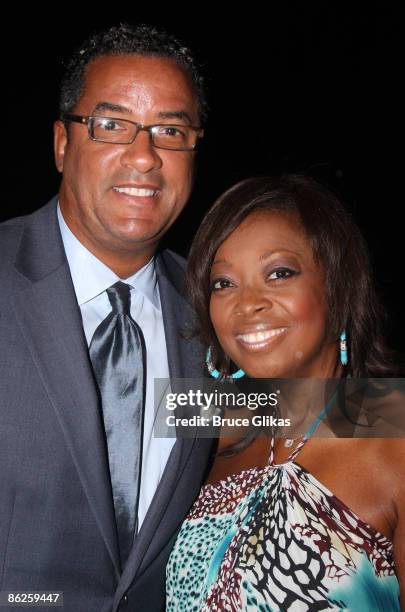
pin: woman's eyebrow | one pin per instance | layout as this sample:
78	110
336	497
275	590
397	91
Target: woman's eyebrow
268	254
222	261
262	257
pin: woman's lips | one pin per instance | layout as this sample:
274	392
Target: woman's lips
260	339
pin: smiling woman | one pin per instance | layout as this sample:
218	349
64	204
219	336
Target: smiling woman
292	242
268	300
281	285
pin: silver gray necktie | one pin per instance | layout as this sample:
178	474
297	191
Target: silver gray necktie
118	354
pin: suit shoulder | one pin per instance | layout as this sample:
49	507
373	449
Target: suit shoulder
173	260
15	222
11	231
10	235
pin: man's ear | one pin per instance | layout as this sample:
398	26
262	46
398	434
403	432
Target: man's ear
60	139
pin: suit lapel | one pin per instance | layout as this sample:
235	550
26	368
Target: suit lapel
185	356
49	317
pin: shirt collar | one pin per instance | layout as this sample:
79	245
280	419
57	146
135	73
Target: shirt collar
91	276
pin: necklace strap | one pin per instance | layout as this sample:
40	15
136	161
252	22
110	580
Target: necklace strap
308	434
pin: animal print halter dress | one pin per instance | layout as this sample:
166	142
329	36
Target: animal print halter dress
276	539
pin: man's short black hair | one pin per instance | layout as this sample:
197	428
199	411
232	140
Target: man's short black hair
125	39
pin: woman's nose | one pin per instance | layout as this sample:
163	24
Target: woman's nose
253	300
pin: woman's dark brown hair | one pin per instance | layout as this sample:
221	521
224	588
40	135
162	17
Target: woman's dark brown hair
337	245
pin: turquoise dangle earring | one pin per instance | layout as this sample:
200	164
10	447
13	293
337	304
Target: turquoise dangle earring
215	373
343	349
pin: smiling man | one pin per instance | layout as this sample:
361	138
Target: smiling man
120	197
91	313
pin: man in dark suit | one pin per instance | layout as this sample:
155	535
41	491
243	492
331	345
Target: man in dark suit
90	313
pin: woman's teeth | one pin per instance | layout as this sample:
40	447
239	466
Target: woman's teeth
257	337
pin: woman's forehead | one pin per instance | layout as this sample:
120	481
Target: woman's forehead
270	229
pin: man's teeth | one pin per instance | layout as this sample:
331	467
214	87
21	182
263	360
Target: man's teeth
261	336
135	191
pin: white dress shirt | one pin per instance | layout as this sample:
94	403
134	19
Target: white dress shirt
90	279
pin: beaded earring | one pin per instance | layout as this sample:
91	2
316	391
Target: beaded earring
215	373
343	349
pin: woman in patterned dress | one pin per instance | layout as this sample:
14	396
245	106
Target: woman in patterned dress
277	271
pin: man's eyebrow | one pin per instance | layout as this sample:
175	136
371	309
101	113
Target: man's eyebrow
181	115
108	106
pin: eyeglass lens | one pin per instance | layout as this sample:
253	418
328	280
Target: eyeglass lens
120	131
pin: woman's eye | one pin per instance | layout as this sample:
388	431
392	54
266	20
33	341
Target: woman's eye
281	273
220	283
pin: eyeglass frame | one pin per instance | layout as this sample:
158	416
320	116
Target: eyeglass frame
87	119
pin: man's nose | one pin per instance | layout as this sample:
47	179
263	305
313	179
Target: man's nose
252	300
141	155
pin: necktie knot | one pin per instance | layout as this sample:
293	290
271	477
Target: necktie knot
120	298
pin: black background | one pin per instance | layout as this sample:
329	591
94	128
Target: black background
297	87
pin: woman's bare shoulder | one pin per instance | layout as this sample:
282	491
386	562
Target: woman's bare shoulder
391	452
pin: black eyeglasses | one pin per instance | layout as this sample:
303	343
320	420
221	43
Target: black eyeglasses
122	131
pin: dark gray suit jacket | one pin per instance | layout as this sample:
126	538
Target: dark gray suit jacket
57	526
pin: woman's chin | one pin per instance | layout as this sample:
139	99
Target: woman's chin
267	372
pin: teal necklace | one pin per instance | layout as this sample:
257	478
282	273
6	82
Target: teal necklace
315	423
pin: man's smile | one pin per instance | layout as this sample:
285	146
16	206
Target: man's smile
137	190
